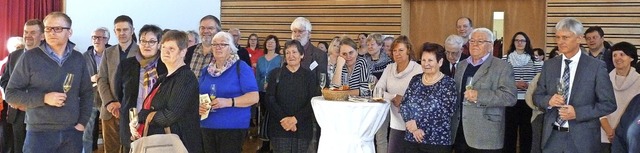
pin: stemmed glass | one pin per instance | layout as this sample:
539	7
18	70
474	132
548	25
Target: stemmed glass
372	83
323	80
468	86
212	94
68	80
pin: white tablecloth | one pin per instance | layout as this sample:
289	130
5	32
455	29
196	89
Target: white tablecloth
348	127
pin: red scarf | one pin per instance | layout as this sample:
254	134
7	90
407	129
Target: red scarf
147	106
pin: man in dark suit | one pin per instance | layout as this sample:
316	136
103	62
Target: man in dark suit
33	36
453	50
575	91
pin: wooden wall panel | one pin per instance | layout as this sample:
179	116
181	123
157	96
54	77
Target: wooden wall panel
434	20
620	19
328	17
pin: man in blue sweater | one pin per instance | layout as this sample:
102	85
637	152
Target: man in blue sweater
55	119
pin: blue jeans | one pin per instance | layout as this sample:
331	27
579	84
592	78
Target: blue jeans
88	135
68	141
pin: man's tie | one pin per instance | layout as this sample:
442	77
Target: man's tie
453	69
566	77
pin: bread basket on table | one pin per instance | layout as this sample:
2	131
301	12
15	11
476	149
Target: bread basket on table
335	94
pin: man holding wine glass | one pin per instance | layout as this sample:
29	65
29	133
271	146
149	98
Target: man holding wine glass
52	81
572	110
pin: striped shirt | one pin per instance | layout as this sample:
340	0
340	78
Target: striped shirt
199	60
359	78
524	73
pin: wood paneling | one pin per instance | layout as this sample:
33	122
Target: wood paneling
434	20
329	18
618	18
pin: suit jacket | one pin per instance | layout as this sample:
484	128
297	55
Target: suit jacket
93	70
13	115
313	54
591	97
484	121
107	76
244	55
127	86
445	68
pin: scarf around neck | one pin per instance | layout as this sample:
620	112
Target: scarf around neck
518	60
215	71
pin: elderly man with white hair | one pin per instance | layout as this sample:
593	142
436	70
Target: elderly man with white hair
486	87
453	50
314	59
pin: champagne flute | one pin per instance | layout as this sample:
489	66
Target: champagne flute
560	88
323	80
468	86
372	83
212	94
68	80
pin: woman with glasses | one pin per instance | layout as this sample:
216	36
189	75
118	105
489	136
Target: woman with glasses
518	117
253	47
136	76
351	69
227	124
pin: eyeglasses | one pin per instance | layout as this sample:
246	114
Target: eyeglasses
55	29
451	52
151	42
98	37
479	42
219	45
520	40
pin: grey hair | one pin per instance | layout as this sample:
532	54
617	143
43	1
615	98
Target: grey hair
229	38
571	24
487	32
454	40
234	29
105	31
300	23
195	35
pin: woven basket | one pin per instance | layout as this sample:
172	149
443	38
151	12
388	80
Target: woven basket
329	94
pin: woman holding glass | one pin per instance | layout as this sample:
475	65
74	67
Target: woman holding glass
394	82
289	95
351	69
227	124
136	76
626	84
266	63
428	105
174	98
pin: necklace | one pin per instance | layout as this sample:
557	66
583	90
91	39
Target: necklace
433	80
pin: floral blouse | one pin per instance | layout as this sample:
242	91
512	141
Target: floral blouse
431	107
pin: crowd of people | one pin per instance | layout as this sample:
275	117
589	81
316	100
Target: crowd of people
456	96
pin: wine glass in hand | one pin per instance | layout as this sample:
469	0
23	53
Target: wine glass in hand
212	94
372	83
68	80
323	80
467	87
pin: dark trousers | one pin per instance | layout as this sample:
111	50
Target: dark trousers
412	147
536	135
223	140
19	130
560	142
460	145
68	141
517	125
396	141
290	145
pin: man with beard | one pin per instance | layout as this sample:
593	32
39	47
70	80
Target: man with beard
200	55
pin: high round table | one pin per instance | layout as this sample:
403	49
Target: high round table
348	126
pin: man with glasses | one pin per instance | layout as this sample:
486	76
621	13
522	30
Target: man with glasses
93	57
200	55
478	122
109	110
575	91
453	50
33	35
242	52
55	117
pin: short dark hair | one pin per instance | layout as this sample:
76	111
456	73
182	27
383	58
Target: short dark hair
58	15
433	48
596	29
628	49
123	18
469	19
215	19
294	43
35	22
349	42
539	51
402	39
181	38
277	44
257	40
157	31
323	43
553	53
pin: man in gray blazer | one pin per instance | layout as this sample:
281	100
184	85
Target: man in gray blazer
478	125
573	126
110	109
